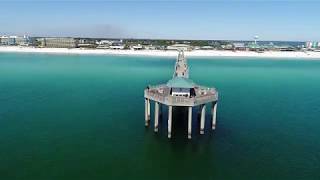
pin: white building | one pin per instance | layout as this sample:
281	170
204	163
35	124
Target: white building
14	40
136	47
102	46
150	47
206	48
104	42
239	46
4	40
117	47
184	47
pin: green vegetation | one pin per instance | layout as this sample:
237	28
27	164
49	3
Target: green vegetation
199	43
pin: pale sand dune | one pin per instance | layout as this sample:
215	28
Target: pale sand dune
195	53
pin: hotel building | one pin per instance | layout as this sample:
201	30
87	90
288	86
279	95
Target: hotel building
58	42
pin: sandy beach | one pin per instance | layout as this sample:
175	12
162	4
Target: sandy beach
195	53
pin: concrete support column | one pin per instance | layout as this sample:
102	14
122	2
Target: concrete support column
156	116
149	109
146	112
214	115
203	118
169	121
189	122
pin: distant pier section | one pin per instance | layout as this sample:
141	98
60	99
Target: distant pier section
181	91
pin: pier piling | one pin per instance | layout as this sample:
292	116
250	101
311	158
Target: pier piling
146	112
189	122
203	118
169	121
214	115
149	110
156	116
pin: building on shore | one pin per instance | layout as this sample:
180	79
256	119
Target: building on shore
8	40
150	47
58	42
23	40
285	48
136	47
104	42
117	45
102	46
87	43
255	47
32	41
206	48
41	42
239	47
12	40
227	46
182	47
4	40
15	40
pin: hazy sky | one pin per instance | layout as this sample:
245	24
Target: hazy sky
231	19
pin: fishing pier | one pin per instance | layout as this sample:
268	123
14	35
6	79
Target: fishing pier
181	91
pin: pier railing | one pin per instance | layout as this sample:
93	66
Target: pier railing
206	98
179	100
155	96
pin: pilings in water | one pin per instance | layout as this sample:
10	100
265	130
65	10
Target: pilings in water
147	111
156	116
189	122
169	121
158	112
203	118
214	115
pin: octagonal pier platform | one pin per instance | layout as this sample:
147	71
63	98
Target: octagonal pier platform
180	91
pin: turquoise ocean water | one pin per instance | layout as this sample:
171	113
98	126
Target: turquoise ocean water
82	117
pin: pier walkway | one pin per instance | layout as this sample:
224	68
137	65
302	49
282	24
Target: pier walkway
180	91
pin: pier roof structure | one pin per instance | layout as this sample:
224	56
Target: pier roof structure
180	82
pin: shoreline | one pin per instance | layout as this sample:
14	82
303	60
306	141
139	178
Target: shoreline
163	53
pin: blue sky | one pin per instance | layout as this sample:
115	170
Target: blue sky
231	19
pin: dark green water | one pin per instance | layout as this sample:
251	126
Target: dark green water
82	117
